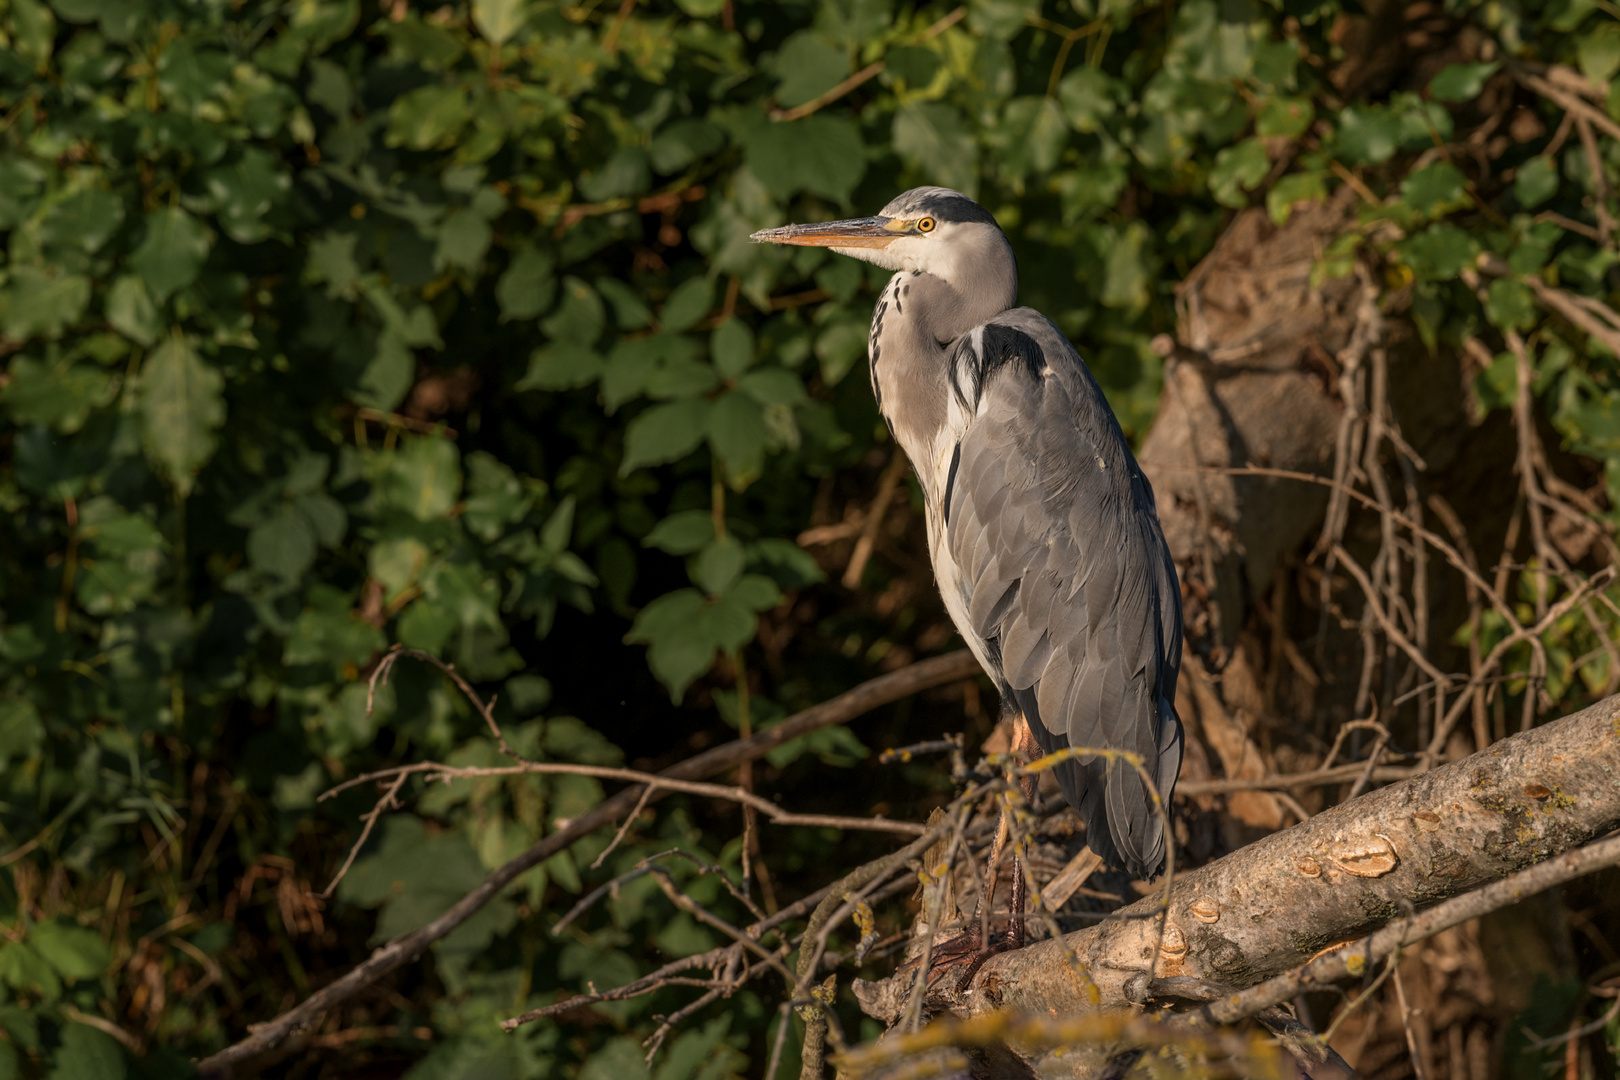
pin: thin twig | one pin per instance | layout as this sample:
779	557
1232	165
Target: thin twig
265	1037
434	770
387	802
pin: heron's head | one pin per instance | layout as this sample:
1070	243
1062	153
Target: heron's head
932	229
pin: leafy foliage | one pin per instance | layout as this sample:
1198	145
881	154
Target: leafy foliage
335	324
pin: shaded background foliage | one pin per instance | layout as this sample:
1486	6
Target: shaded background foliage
329	325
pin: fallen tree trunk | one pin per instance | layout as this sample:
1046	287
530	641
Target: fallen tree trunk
1273	905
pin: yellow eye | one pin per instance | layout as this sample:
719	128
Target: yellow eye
925	225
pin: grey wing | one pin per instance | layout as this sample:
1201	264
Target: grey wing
1067	581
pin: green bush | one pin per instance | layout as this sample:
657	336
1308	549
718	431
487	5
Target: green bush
330	325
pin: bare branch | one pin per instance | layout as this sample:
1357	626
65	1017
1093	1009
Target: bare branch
870	695
1352	961
654	783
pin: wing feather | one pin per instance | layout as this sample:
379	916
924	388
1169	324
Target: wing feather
1068	580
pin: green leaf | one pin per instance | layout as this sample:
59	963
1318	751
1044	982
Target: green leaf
580	317
331	259
718	566
624	173
496	498
678	653
38	304
664	365
172	252
1536	181
59	395
756	593
559	526
731	347
678	377
130	310
1435	189
86	220
188	76
915	65
774	386
1598	51
1291	190
1033	134
687	305
1001	19
330	88
282	545
387	378
700	1055
682	533
23	968
823	155
630	311
499	20
838	345
415	876
1238	169
75	951
1089	98
182	404
727	621
1439	252
1510	305
620	1059
1284	117
88	1054
21	732
1126	284
1368	135
786	563
561	367
424	479
664	433
1461	82
463	238
807	66
397	563
427	626
427	117
434	48
526	289
701	9
34	30
245	192
932	138
737	432
680	144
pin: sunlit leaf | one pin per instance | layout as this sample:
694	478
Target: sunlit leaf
182	406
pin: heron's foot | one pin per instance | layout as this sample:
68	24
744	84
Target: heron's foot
963	954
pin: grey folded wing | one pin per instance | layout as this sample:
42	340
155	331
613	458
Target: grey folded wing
1067	582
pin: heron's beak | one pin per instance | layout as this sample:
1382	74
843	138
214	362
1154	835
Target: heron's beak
872	232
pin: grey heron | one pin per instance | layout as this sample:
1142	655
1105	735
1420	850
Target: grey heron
1042	529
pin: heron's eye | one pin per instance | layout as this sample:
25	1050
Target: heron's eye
925	225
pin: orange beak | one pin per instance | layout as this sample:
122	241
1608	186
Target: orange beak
872	232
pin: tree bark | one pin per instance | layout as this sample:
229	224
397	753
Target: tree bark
1271	906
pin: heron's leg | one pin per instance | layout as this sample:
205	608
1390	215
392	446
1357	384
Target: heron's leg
974	945
987	888
1026	748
